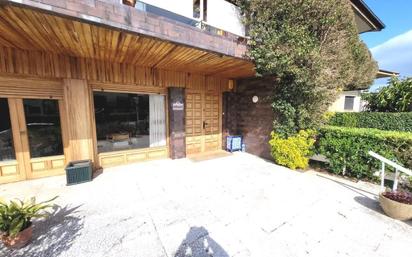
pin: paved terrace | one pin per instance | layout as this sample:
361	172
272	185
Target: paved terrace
238	205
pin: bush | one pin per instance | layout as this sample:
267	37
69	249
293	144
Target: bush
395	97
293	151
313	50
347	149
401	121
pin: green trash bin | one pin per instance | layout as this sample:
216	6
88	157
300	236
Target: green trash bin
78	172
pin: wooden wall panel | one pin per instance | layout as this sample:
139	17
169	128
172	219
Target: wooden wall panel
47	166
10	172
36	74
29	87
131	156
78	112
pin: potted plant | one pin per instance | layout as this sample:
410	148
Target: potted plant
131	3
16	220
397	205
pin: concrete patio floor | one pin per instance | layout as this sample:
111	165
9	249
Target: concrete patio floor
238	205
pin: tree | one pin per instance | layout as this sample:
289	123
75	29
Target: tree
313	48
395	97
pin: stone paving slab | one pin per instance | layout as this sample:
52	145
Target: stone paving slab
237	205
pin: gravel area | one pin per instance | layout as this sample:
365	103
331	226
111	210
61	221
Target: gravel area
238	205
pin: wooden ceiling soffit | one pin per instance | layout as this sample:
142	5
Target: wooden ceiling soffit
33	30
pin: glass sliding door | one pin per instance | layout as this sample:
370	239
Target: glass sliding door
43	127
7	151
129	121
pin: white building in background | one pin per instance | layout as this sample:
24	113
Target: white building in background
350	101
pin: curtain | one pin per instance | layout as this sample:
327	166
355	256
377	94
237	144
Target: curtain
157	118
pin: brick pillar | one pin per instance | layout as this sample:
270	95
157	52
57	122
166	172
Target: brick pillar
177	122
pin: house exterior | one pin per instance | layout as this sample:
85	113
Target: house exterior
100	80
348	101
351	101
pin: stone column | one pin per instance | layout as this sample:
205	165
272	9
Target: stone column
177	122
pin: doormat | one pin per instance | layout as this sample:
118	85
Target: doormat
208	156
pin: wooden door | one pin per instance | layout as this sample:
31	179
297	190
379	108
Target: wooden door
211	119
194	123
11	150
203	128
32	153
42	137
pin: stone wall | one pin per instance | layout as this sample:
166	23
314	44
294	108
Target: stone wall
254	121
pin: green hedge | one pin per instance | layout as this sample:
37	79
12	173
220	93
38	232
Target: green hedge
401	121
348	148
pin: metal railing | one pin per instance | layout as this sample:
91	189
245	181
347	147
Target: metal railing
398	168
198	23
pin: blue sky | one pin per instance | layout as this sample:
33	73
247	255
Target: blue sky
392	47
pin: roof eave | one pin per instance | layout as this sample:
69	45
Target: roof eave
368	15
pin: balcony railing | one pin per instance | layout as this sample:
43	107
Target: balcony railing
142	6
165	13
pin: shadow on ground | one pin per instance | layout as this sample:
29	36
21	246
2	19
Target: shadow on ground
52	235
198	243
358	190
374	205
371	203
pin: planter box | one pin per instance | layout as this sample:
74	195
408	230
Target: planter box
394	209
79	172
234	143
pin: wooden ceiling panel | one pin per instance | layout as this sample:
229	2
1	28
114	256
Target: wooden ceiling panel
33	30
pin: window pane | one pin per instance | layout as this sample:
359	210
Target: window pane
6	136
349	102
157	121
122	121
43	126
205	10
196	9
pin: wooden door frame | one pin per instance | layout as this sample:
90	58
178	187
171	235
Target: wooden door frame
17	145
125	89
21	140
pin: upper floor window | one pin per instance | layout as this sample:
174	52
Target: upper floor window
200	9
349	103
196	9
204	10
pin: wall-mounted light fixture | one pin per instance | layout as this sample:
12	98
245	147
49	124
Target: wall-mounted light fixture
255	99
231	84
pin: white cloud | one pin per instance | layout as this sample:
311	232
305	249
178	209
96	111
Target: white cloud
395	54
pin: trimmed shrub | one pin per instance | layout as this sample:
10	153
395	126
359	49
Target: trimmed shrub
347	149
399	121
292	152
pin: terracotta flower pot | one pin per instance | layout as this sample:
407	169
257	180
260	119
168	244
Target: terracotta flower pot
394	209
20	240
129	2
